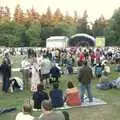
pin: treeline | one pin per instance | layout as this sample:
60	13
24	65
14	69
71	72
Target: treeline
31	28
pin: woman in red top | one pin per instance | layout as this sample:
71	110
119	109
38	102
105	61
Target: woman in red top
72	95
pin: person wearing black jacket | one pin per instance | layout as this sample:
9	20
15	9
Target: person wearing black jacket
55	74
5	70
39	96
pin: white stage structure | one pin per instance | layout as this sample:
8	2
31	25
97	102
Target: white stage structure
57	42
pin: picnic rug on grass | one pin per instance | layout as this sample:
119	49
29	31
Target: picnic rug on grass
96	102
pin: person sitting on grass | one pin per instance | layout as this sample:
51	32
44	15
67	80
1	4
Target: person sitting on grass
39	96
26	112
72	95
48	113
56	96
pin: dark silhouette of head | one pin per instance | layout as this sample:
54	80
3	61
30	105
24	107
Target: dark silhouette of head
40	87
70	85
55	85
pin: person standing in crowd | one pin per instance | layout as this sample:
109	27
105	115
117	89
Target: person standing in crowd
85	76
7	58
25	72
5	70
92	57
86	54
48	113
97	54
35	77
45	70
54	73
81	59
39	96
39	58
53	55
98	71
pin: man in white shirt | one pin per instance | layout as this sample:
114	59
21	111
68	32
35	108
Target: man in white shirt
45	70
25	72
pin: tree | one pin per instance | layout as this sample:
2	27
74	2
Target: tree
1	11
33	34
113	30
68	19
82	26
7	14
19	32
99	26
46	31
4	14
18	15
57	17
34	16
46	19
75	18
48	16
31	17
64	29
10	33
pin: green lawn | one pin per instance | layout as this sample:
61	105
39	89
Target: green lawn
106	112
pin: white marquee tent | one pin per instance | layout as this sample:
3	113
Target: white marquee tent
57	42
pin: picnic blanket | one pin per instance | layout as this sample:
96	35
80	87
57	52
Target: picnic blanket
65	107
96	102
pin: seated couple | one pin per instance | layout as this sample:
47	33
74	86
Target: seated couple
71	97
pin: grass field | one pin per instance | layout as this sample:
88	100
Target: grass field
111	111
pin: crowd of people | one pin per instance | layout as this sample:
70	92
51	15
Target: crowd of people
44	67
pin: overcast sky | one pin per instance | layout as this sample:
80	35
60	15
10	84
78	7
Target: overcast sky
95	8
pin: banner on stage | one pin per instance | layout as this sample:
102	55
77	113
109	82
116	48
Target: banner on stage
100	41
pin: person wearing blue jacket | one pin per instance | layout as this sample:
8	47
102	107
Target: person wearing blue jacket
56	96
